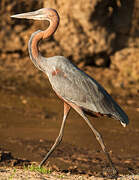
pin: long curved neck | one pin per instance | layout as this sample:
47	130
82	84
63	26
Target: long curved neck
35	38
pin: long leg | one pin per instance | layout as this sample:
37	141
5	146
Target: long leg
98	136
59	138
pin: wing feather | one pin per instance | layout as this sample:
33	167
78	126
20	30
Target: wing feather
77	87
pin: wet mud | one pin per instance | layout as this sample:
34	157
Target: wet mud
30	123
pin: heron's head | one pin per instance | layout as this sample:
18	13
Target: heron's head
41	14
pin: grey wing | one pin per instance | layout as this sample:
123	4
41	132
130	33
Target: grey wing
77	87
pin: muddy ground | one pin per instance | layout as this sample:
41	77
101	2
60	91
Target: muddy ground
30	122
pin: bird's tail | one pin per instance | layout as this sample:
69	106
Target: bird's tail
122	116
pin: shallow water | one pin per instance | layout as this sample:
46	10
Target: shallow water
29	124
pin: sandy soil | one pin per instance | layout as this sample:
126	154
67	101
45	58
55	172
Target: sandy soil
20	174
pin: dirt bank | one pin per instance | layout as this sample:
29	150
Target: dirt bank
104	36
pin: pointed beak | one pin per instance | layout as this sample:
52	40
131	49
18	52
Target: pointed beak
36	15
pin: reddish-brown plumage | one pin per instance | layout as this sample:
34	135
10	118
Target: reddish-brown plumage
58	72
34	47
55	72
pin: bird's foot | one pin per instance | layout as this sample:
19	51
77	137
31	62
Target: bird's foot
110	173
